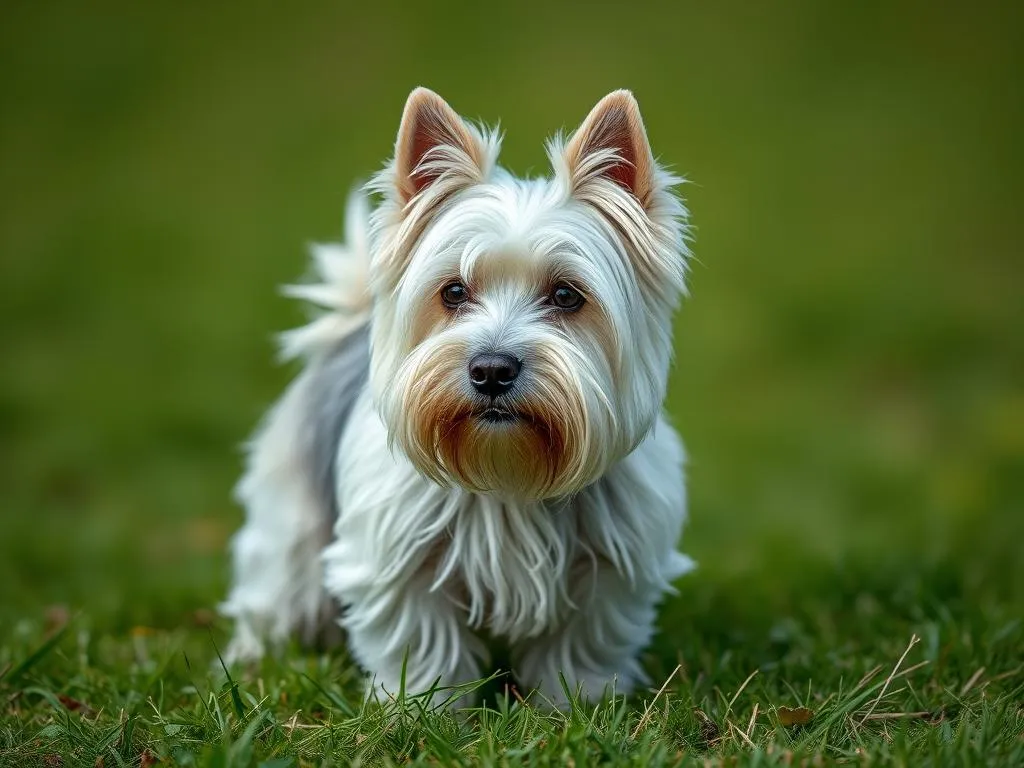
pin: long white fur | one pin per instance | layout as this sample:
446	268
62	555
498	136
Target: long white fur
423	557
278	575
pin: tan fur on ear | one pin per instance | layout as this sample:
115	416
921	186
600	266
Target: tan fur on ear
430	133
612	143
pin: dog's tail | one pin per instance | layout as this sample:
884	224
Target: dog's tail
289	486
341	287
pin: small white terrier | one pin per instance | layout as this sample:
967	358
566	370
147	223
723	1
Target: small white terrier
476	444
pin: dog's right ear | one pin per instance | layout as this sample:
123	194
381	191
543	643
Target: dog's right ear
436	146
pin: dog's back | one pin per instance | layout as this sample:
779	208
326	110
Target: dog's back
288	489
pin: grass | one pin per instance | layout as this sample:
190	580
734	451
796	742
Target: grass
146	698
848	379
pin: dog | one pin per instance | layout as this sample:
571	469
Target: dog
475	447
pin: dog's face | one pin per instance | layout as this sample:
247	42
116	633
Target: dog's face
522	328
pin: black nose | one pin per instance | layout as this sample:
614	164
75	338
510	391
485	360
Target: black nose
493	375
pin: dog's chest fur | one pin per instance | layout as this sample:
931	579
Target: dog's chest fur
517	569
508	564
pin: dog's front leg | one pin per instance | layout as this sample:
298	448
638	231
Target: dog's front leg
595	648
407	636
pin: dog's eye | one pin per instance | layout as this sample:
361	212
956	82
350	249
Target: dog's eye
454	294
567	298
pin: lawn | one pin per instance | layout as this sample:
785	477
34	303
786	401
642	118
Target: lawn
849	375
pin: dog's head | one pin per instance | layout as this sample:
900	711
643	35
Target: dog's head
522	328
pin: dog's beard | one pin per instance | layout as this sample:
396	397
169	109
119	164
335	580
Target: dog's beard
544	439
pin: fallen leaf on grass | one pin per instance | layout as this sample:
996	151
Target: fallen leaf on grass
74	705
790	717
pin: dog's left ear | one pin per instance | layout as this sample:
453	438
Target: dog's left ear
435	144
612	144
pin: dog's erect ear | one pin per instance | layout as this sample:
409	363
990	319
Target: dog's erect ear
434	143
612	143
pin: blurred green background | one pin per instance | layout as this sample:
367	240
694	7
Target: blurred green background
850	376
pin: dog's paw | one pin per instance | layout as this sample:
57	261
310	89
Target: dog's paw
245	647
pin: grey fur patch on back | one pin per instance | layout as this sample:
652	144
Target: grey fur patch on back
335	381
